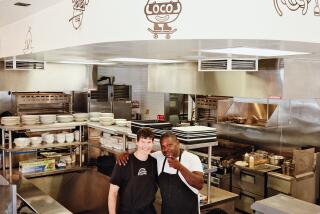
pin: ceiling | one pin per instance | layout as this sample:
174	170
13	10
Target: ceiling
7	9
187	50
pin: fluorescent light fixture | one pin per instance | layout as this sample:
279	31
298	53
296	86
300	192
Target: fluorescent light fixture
254	52
85	63
142	60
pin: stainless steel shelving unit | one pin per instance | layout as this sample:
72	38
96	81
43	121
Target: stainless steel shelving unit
10	149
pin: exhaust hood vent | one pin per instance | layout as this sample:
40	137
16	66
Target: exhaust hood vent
213	65
23	65
228	65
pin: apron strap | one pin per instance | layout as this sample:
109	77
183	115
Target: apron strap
179	159
164	162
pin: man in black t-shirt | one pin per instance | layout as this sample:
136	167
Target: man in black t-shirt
136	181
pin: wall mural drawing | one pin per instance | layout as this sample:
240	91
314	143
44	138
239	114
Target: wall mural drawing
162	13
294	5
79	7
28	43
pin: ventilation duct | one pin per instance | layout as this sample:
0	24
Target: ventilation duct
14	64
228	65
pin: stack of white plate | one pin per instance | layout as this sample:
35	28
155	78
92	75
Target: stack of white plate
121	122
65	118
94	116
80	117
106	121
30	119
10	121
48	118
22	142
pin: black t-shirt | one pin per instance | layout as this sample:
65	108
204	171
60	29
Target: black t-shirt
138	185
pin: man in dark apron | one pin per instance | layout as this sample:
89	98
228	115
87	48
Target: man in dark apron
178	189
136	181
180	176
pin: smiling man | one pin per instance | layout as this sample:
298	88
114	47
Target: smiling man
180	176
136	181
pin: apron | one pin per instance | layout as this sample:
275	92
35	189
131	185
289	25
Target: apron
177	197
139	194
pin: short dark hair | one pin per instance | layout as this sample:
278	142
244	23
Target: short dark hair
168	135
145	133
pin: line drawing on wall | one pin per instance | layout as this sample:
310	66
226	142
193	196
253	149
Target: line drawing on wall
79	7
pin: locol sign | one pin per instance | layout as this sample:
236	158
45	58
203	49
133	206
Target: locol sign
161	13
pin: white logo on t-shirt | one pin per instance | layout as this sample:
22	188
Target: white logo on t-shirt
142	171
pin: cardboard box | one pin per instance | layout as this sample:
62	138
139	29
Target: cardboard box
38	165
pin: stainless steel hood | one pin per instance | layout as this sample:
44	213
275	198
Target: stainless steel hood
285	79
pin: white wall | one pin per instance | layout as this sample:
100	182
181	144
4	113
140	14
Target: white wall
123	20
151	103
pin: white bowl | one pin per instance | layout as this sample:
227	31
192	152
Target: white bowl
22	142
106	123
79	117
106	119
10	121
36	141
61	137
30	121
65	118
94	114
69	137
48	118
106	115
48	138
94	119
121	123
30	117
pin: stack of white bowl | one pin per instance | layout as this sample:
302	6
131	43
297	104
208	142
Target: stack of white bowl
36	141
10	121
106	119
48	118
69	137
121	122
65	118
30	119
94	116
60	138
48	138
81	117
22	142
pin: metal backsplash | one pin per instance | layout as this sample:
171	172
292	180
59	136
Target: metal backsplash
298	125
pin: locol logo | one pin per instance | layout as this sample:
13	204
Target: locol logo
295	5
28	43
79	6
161	13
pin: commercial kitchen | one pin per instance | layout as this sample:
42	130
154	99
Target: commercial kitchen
235	81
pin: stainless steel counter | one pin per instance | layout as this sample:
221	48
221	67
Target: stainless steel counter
36	199
8	202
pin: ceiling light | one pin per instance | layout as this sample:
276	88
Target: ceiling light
21	4
142	60
85	63
254	52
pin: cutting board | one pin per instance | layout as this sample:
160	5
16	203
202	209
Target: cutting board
304	161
